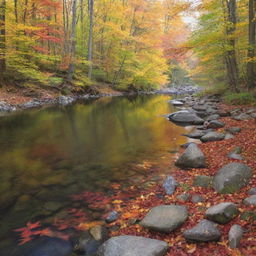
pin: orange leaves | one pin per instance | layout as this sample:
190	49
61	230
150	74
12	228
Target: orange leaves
88	225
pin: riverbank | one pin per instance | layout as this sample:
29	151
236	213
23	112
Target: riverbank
13	99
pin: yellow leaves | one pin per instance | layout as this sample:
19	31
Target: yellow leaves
87	225
191	248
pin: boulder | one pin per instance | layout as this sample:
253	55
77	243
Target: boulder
186	118
213	117
235	156
176	103
223	113
241	117
235	235
165	218
252	191
203	181
233	130
212	136
196	134
251	200
204	231
215	124
231	177
112	216
193	157
229	136
197	199
222	213
170	185
132	246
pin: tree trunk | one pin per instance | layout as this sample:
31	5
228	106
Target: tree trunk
90	40
251	80
2	38
16	10
231	62
71	68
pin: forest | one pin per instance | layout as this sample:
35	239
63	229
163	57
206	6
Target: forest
127	44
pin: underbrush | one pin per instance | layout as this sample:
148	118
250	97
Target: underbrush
244	98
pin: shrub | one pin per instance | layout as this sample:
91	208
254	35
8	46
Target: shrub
244	98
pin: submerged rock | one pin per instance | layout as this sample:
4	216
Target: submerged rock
133	246
170	185
204	231
113	216
165	218
231	177
193	157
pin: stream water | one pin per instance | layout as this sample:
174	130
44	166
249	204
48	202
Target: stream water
49	154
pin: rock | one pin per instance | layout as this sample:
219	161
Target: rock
236	150
52	206
235	235
211	111
200	108
231	177
252	191
204	231
195	135
170	185
235	156
201	114
186	144
45	246
212	136
165	218
233	130
113	216
223	113
183	197
222	213
4	107
185	117
99	233
253	115
193	157
213	117
197	199
65	100
203	181
229	136
215	124
176	103
251	200
241	117
132	246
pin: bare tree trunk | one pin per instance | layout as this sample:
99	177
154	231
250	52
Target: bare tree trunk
71	68
16	10
251	79
231	62
25	12
2	38
90	40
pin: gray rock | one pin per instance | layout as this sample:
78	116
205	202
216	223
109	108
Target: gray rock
165	218
251	200
237	150
5	107
113	216
200	107
193	157
99	233
253	115
229	136
183	197
235	156
211	111
204	231
197	199
203	181
186	144
132	246
233	130
241	117
223	113
235	235
212	136
196	134
176	103
170	185
252	191
213	117
222	213
231	177
215	124
185	117
65	100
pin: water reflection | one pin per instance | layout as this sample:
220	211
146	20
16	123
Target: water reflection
49	154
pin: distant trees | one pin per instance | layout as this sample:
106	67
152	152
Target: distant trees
2	37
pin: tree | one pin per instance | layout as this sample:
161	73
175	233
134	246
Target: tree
90	39
251	79
2	37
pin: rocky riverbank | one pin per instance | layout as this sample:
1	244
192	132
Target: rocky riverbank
206	206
